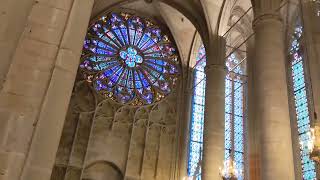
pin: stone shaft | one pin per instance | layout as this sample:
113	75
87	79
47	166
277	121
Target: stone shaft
271	99
213	137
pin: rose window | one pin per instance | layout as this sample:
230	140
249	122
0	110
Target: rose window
129	59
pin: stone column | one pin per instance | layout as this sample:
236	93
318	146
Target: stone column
185	102
271	95
13	18
213	137
35	96
253	140
46	137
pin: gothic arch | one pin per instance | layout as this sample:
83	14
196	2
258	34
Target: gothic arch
195	15
102	170
197	42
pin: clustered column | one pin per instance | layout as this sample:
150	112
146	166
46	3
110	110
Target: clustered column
271	98
213	136
35	96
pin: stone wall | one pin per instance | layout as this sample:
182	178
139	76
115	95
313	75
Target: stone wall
102	139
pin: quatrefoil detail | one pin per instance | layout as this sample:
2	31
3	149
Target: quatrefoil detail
131	57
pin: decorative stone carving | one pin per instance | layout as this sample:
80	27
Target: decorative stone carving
83	97
139	141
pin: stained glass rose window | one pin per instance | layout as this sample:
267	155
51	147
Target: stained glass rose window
129	59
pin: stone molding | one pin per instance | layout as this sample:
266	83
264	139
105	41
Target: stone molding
266	16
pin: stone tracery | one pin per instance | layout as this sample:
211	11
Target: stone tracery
134	133
130	59
47	48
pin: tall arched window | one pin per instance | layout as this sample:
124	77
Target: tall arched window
234	113
197	116
300	92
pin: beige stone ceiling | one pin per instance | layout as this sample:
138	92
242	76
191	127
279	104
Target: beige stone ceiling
139	6
182	17
180	27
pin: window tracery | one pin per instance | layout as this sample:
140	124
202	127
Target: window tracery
129	59
301	104
234	114
197	116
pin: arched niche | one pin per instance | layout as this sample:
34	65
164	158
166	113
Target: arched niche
102	170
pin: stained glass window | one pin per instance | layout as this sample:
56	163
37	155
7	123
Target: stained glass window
301	102
234	114
129	59
197	116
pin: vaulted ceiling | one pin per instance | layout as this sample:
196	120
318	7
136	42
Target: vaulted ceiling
183	17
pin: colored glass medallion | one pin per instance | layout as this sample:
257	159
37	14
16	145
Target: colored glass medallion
131	57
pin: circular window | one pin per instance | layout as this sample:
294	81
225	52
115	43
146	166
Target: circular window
129	59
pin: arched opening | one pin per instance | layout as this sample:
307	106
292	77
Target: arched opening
102	171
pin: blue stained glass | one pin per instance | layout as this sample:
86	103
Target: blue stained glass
108	40
234	113
145	38
130	83
129	59
139	34
119	36
301	103
138	82
123	79
154	48
158	63
132	33
114	78
113	37
145	82
110	71
198	102
151	78
155	67
148	44
155	55
125	35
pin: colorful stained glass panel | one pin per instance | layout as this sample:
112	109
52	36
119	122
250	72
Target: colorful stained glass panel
301	103
196	130
129	59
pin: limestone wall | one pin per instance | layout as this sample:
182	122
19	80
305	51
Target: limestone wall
104	139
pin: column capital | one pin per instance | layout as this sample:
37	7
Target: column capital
213	132
216	51
218	67
264	6
267	10
266	16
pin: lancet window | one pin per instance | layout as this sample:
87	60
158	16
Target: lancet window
235	88
197	116
301	104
